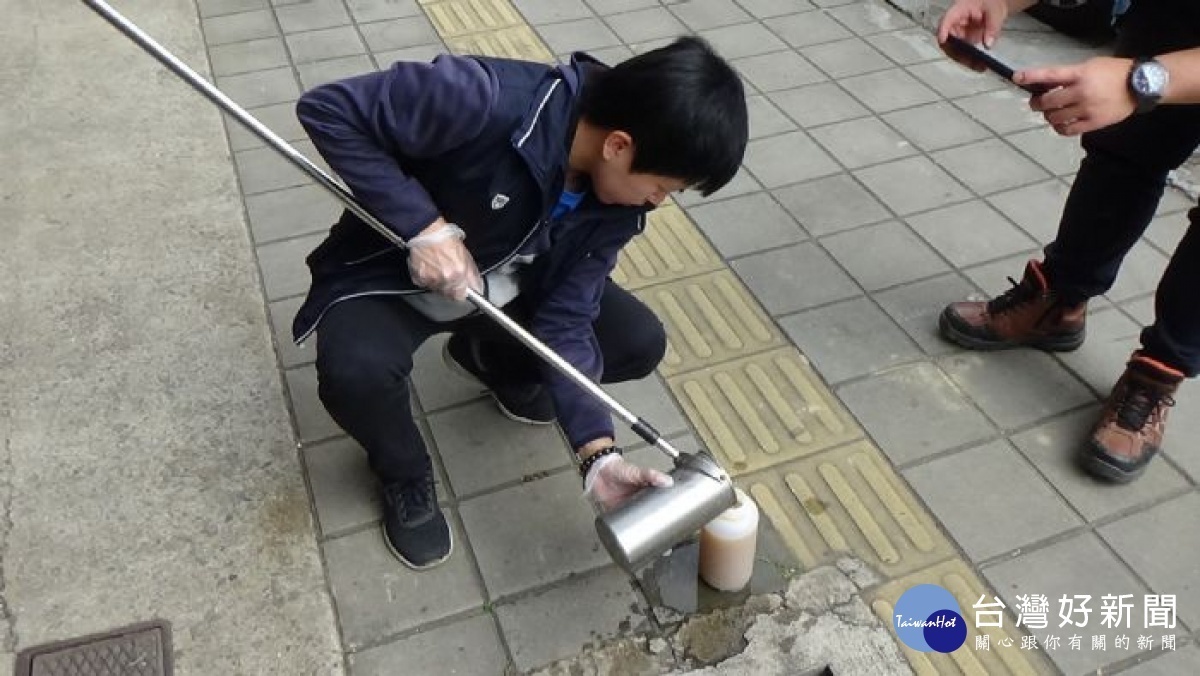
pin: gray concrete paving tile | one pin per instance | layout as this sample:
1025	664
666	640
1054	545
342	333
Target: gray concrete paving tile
1163	557
1141	310
534	534
971	233
428	52
290	354
264	169
870	17
888	90
346	494
366	11
332	70
1111	338
608	55
818	104
746	39
916	308
1185	659
645	24
483	449
809	28
326	43
436	385
704	14
312	421
911	185
884	255
539	12
954	81
1183	428
914	411
650	400
377	596
470	646
763	9
282	265
858	143
990	500
998	276
765	118
1004	111
312	15
742	184
581	34
908	46
1054	448
989	166
845	58
243	57
224	29
261	87
1058	155
399	33
299	210
1174	200
558	623
1036	209
280	118
746	224
1140	272
787	158
935	126
1016	388
831	204
794	278
1078	566
777	71
608	7
209	8
643	47
849	339
1166	230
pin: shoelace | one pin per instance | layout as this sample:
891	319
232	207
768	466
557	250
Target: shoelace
1138	404
411	500
1019	294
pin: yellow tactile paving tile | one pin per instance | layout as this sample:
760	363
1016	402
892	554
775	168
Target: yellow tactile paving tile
671	248
848	501
518	42
710	319
958	578
762	410
453	18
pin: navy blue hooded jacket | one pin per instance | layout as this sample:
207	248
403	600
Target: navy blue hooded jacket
484	143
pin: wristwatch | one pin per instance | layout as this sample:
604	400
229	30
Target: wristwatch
1148	82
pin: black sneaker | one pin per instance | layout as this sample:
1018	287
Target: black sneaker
414	526
527	403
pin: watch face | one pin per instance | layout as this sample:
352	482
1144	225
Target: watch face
1150	79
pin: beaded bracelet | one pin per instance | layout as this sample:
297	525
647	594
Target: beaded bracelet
591	459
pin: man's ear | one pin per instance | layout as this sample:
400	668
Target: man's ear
615	143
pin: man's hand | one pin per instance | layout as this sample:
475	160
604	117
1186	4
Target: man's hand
1085	96
975	21
439	261
613	480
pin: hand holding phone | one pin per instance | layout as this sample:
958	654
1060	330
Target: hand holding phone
976	55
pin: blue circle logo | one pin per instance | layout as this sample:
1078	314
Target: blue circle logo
928	619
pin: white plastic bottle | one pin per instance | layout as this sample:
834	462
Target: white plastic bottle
728	544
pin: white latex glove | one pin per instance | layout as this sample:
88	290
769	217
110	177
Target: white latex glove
440	262
612	480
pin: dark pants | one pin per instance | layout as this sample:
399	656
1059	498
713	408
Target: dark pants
365	350
1118	188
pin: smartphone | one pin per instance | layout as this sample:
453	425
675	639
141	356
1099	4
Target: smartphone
957	44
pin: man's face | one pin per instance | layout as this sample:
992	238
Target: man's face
615	183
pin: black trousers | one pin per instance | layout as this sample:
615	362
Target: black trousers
365	350
1118	188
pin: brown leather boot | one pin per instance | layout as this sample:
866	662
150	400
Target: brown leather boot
1027	315
1131	425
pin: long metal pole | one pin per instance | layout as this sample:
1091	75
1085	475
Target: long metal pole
147	43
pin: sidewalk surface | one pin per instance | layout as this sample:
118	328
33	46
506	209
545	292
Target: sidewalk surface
150	470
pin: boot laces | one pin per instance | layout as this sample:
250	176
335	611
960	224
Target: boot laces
1020	294
412	501
1138	404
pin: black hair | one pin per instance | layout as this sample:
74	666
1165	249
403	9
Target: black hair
684	107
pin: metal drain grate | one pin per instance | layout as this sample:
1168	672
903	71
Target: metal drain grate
137	650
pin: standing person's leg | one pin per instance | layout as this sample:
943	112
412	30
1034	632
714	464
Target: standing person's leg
365	352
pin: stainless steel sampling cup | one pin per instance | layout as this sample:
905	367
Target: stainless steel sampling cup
657	519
